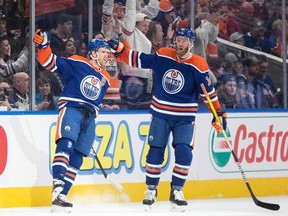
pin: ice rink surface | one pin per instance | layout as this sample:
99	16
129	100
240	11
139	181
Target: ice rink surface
210	207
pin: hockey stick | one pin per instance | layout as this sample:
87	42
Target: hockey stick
270	206
115	184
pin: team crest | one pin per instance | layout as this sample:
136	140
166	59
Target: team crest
173	81
91	87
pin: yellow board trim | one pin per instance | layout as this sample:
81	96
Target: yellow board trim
134	192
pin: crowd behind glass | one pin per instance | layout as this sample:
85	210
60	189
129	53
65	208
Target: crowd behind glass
243	80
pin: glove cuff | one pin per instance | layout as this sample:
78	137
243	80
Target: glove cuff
44	46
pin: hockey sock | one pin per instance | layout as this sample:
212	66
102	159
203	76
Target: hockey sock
183	155
76	160
61	159
154	160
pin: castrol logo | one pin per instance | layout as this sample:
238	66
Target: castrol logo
220	150
266	146
258	147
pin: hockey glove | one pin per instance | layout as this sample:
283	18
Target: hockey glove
41	39
116	46
219	126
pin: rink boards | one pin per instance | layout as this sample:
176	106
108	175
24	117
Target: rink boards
259	140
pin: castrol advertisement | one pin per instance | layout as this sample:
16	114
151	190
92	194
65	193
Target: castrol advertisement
258	140
261	146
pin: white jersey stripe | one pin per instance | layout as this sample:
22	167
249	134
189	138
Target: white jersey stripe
175	104
153	175
172	113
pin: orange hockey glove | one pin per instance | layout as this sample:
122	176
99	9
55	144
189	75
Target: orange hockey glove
41	39
219	126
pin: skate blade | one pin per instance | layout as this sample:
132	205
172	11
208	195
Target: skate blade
176	208
60	209
148	208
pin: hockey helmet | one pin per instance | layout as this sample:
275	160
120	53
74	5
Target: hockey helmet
96	44
186	32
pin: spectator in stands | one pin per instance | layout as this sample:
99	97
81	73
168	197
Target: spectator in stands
255	38
3	29
233	64
81	48
155	35
227	24
128	21
112	11
119	10
68	48
250	71
235	6
228	94
150	7
59	38
275	13
136	33
137	83
206	30
45	100
263	71
7	65
261	9
237	38
19	100
276	38
61	33
245	16
56	81
5	92
169	15
214	5
216	66
98	35
3	7
247	98
265	92
13	34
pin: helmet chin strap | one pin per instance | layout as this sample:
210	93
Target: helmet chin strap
96	59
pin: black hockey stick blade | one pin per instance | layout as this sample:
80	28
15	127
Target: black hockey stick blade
270	206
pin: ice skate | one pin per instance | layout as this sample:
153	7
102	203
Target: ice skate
151	196
60	204
57	188
178	202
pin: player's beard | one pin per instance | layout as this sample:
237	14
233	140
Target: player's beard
181	52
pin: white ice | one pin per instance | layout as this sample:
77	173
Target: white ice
211	207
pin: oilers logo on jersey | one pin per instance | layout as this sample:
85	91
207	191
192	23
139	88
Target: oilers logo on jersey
173	81
91	87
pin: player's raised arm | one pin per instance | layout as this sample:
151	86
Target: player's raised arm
132	58
42	41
